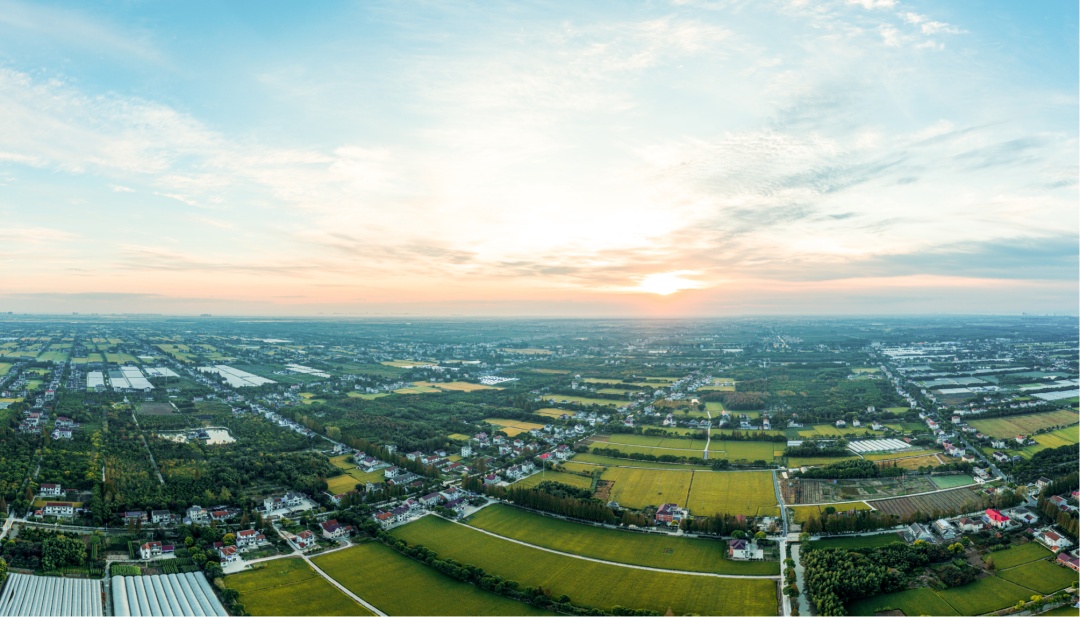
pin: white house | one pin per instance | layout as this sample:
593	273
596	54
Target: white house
50	490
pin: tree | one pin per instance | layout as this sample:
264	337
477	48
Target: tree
738	534
3	571
761	535
229	539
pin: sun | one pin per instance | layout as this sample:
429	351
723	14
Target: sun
667	283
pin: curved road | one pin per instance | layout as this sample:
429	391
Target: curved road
616	563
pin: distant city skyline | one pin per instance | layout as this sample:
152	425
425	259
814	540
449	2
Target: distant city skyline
689	158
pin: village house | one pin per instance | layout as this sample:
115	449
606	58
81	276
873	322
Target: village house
50	490
670	514
59	508
246	538
228	554
1052	540
333	530
996	519
304	540
744	550
160	517
151	550
197	515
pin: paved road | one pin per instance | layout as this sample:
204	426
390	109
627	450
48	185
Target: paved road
615	563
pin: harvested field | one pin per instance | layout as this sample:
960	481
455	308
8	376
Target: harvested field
156	409
958	500
914	462
802	513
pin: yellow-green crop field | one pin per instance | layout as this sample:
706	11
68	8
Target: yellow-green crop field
290	587
766	451
638	488
5	367
397	585
552	412
555	476
352	476
415	389
1011	426
457	386
830	430
732	492
513	427
527	351
367	397
550	371
591	583
408	363
652	550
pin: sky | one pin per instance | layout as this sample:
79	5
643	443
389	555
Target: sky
648	159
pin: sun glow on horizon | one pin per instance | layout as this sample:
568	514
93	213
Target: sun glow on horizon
667	283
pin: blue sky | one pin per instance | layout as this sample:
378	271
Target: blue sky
658	158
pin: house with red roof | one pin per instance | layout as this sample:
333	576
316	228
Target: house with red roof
996	519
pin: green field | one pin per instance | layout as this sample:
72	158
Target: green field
952	481
5	367
398	585
54	356
751	451
591	583
850	542
732	492
555	476
1017	555
1042	576
290	587
1011	426
352	476
984	595
623	462
653	550
922	601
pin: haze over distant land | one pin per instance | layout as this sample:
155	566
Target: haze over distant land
652	159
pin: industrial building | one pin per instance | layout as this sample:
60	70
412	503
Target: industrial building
165	595
50	595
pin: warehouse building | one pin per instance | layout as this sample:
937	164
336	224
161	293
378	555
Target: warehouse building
165	595
50	595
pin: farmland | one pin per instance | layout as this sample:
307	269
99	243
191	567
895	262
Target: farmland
455	386
853	542
1017	555
1042	576
953	481
922	601
352	476
653	550
1011	426
290	587
802	513
512	427
637	488
591	583
382	585
954	500
596	459
555	476
743	492
552	412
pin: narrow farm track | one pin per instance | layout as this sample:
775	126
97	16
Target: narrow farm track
616	563
343	589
